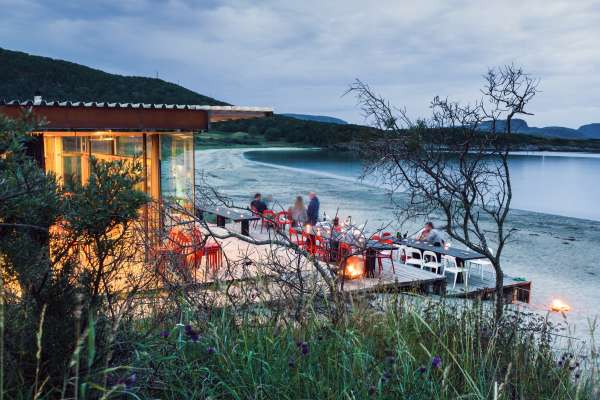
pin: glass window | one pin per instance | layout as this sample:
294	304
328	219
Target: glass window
130	146
177	168
71	170
73	144
102	146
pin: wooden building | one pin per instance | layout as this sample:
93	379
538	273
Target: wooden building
162	136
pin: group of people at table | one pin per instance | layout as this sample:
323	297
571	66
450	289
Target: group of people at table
335	242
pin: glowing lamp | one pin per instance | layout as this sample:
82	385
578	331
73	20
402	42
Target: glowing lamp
559	306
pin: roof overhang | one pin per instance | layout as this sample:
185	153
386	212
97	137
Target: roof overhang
97	116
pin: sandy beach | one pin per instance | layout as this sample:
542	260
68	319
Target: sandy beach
558	254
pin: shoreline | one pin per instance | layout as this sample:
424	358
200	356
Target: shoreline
556	253
376	185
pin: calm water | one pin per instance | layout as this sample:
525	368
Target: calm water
558	253
566	184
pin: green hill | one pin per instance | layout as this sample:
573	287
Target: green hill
318	118
22	74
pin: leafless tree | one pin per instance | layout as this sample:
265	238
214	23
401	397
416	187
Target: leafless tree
454	164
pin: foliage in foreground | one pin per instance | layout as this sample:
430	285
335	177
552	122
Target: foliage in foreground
413	350
62	248
407	352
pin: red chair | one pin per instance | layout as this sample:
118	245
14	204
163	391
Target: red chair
214	256
283	219
268	219
179	244
178	240
385	254
201	247
386	234
321	248
309	242
297	238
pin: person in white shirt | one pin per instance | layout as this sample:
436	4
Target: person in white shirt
430	234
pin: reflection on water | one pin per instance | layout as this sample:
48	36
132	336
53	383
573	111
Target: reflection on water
564	184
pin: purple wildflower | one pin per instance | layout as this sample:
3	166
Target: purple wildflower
211	350
304	348
164	334
422	370
129	382
436	362
191	333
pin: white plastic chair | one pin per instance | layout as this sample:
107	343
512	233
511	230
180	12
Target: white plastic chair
430	261
480	263
451	266
413	257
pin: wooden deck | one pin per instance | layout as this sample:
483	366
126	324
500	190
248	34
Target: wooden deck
404	279
483	288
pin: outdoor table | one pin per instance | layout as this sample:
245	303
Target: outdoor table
225	213
460	255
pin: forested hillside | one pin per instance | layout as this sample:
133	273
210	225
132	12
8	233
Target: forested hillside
22	74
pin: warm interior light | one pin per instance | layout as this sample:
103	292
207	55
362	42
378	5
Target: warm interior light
559	306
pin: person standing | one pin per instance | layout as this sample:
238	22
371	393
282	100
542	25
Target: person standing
298	212
313	209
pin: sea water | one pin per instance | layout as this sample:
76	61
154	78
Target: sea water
556	214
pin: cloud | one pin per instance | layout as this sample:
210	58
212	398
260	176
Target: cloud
301	56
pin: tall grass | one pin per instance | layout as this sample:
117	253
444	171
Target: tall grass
409	349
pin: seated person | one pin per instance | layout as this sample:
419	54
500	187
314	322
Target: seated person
257	205
429	234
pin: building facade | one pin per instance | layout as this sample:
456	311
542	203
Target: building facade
162	136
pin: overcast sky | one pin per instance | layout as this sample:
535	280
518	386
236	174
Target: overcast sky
300	55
